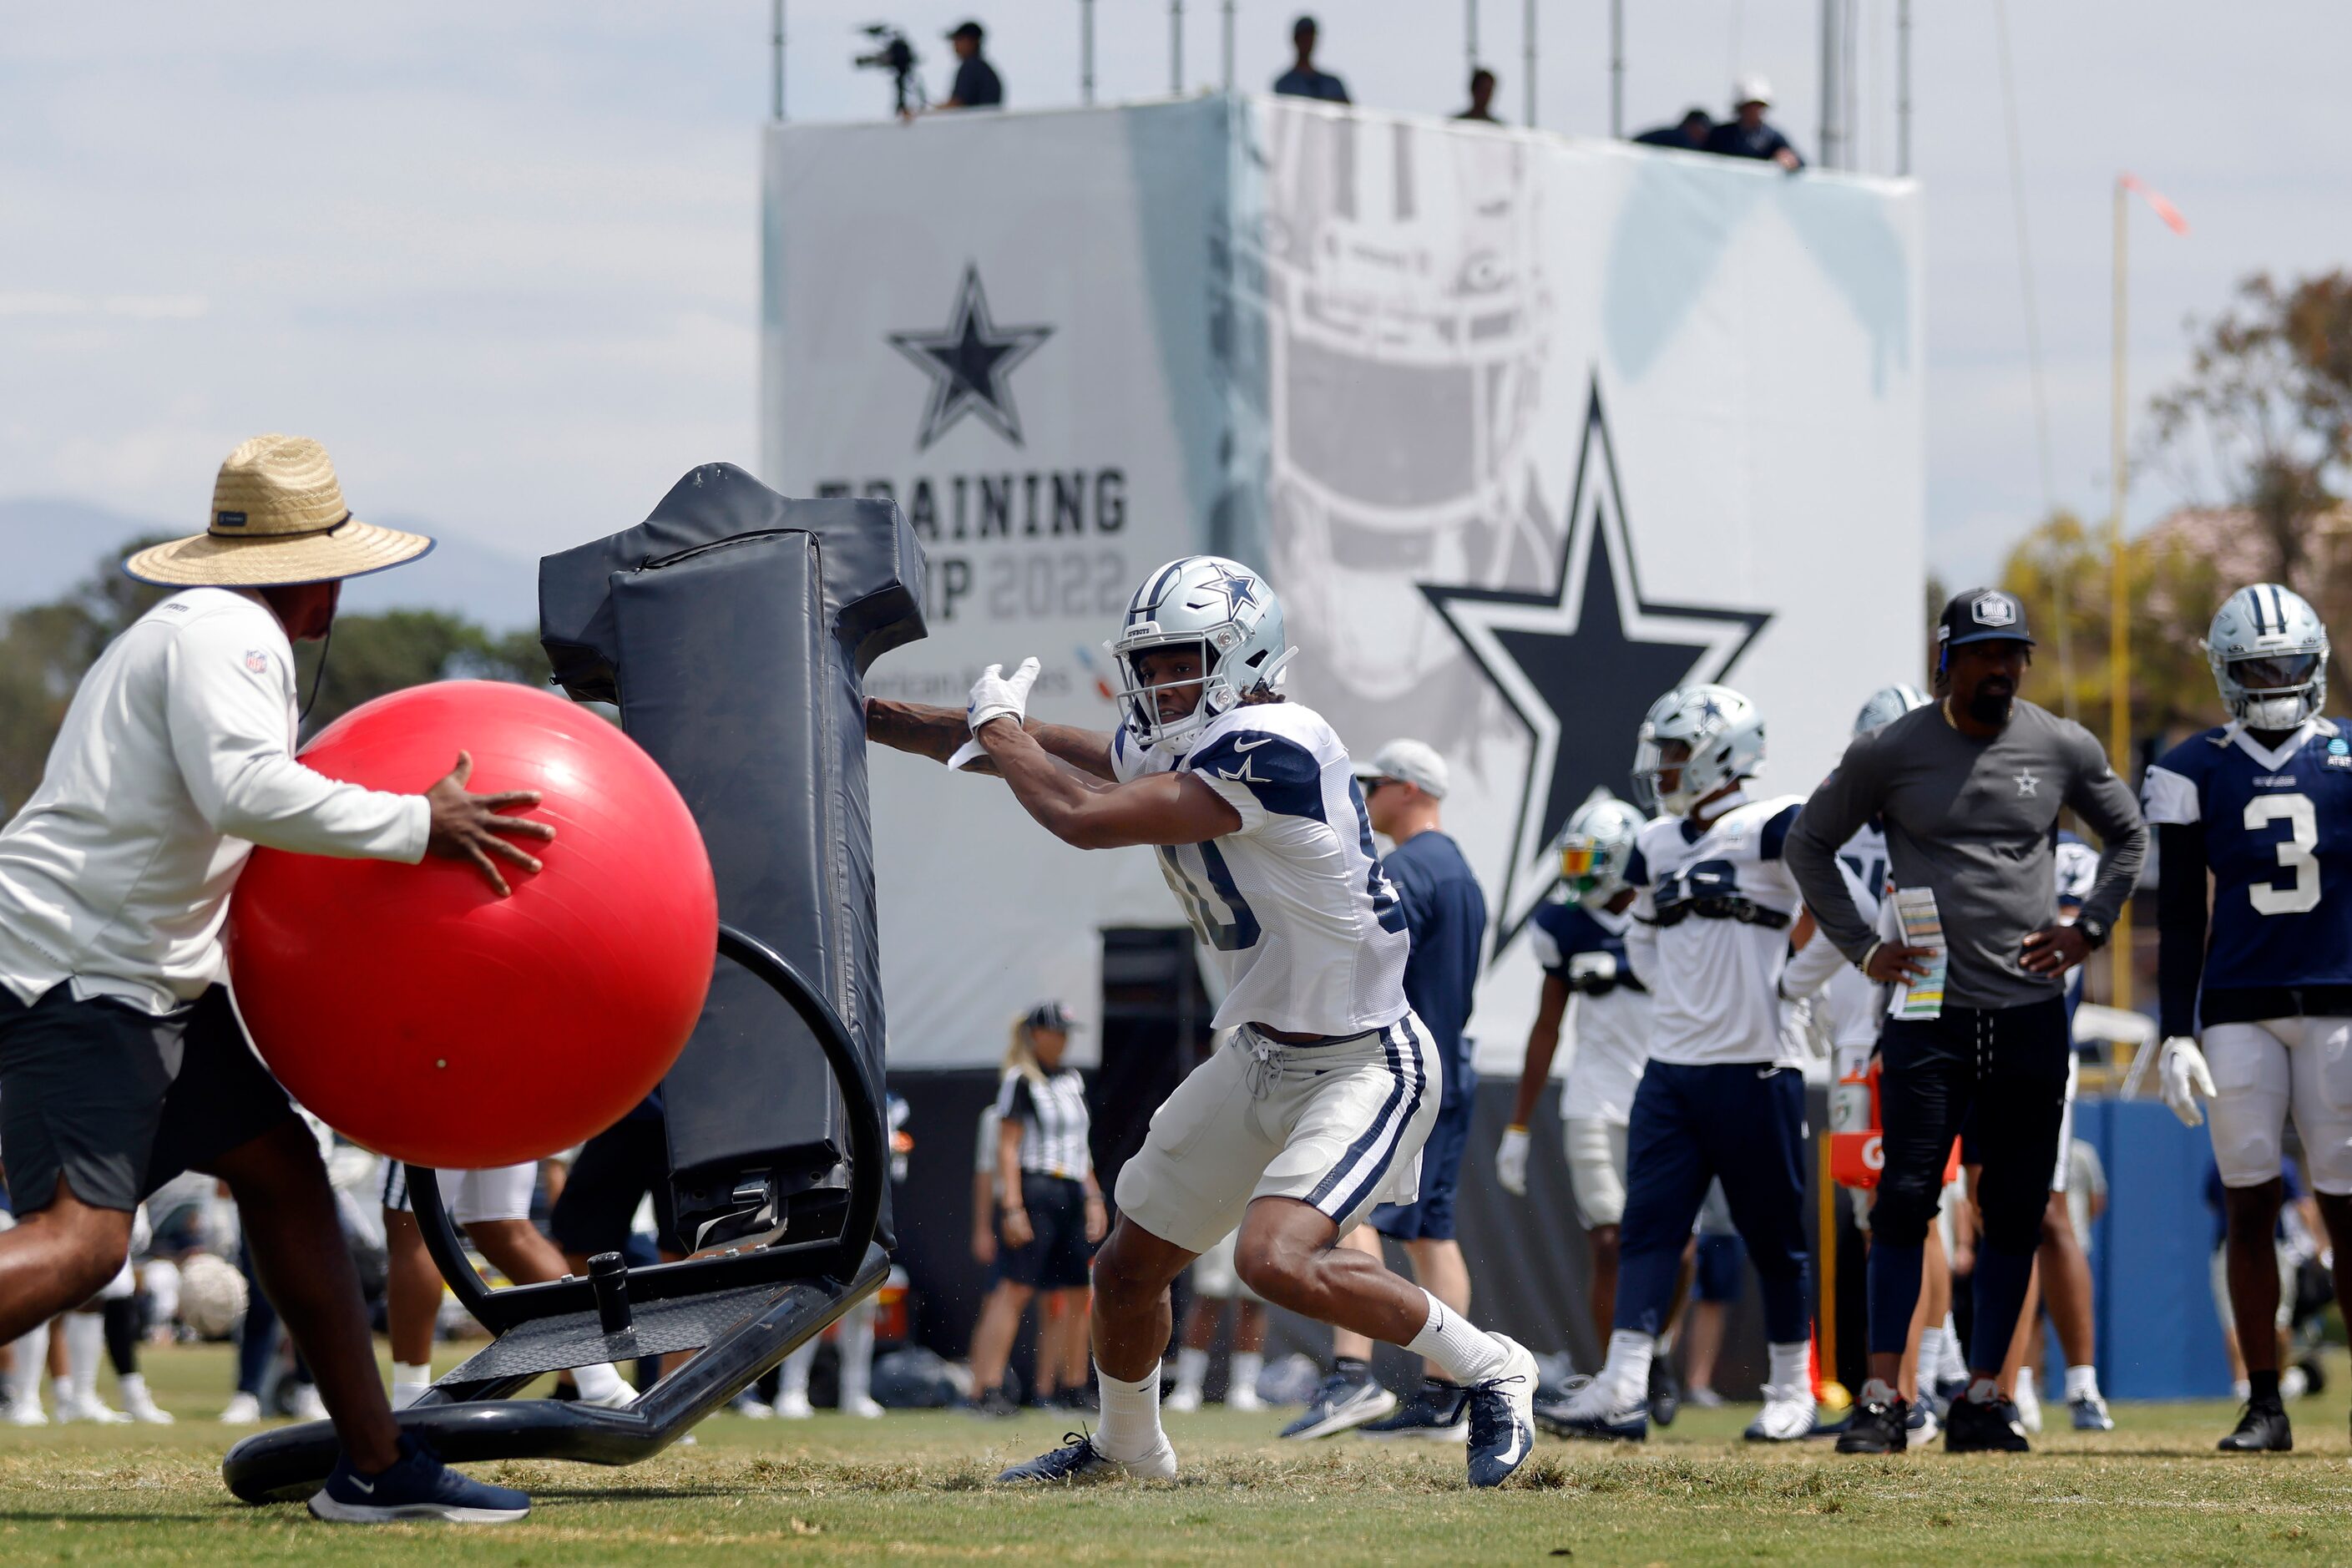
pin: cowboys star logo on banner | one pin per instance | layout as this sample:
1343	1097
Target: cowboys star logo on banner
970	361
1580	664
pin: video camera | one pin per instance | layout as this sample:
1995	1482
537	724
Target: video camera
894	53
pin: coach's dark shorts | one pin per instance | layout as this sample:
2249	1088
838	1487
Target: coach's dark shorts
614	1172
120	1102
1058	1256
1429	1216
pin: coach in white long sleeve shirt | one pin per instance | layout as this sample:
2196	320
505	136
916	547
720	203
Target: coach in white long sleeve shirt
121	1063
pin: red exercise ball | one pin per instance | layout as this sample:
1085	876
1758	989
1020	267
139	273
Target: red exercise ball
422	1016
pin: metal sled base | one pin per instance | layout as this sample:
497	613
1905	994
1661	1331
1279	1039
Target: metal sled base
468	1417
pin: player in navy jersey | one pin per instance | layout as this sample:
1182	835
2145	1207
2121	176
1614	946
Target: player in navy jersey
1722	1095
1589	984
1317	1107
2264	804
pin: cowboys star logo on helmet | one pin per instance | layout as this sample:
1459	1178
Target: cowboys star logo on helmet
1220	608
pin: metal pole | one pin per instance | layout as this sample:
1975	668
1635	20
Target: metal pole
1528	57
776	73
1829	84
1903	87
1086	52
1616	67
1229	46
2119	594
1175	48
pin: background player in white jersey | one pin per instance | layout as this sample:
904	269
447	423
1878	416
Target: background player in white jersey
1317	1107
1721	1095
1580	943
2264	804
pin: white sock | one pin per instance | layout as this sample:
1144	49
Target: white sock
1465	1354
2082	1383
1627	1369
1246	1365
796	1371
1954	1367
2025	1390
1983	1391
409	1382
1931	1356
1130	1417
85	1343
61	1392
1789	1366
601	1381
857	1344
1192	1368
1875	1391
134	1388
32	1358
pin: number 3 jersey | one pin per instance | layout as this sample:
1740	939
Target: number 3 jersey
1712	910
1297	914
2277	829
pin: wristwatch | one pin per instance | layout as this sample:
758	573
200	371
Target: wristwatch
2094	929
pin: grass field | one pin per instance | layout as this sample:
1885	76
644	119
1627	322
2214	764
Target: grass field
915	1487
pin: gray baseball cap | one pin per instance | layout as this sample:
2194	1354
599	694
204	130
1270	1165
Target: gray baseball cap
1415	762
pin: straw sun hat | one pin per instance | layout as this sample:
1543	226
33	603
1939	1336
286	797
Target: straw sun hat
278	518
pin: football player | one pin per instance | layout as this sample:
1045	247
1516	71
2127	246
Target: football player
2264	804
1580	941
1317	1106
1722	1095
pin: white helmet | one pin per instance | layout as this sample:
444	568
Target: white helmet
1595	848
1219	605
1887	704
1644	790
1724	732
2269	652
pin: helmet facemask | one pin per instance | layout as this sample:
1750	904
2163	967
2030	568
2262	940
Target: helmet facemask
2276	692
1138	697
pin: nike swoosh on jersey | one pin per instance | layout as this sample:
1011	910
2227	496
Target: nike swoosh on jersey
1242	745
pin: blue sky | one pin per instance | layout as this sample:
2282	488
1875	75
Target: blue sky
503	258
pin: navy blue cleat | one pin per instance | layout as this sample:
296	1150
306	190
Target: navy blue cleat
1502	1417
419	1487
1077	1460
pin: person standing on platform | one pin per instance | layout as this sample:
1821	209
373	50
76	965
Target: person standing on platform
1482	98
1747	135
1302	80
1970	791
1404	787
977	85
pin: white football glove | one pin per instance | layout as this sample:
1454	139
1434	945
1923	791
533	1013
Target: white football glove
996	695
1511	1161
2181	1070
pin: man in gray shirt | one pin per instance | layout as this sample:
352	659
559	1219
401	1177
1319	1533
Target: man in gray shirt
1970	791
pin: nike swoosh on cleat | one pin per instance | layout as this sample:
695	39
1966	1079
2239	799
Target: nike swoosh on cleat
1518	1446
367	1487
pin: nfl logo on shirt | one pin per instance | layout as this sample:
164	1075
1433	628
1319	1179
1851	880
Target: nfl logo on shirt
257	661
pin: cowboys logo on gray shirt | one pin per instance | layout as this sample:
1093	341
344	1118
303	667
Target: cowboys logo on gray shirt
1975	820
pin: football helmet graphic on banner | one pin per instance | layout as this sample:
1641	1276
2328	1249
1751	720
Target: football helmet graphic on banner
1887	704
1724	732
1595	848
2269	652
1406	328
1221	606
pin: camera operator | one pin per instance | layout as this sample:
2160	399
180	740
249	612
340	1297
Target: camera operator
976	82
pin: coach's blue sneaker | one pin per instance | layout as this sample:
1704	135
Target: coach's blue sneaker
1437	1410
1502	1417
1347	1398
1077	1460
2091	1413
419	1487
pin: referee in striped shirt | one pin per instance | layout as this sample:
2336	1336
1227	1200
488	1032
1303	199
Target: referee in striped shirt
1050	1213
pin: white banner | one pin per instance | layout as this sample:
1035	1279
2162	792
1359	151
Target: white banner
1525	430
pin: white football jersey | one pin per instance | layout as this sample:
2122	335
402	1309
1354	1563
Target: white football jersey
1845	1003
1293	909
1714	981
